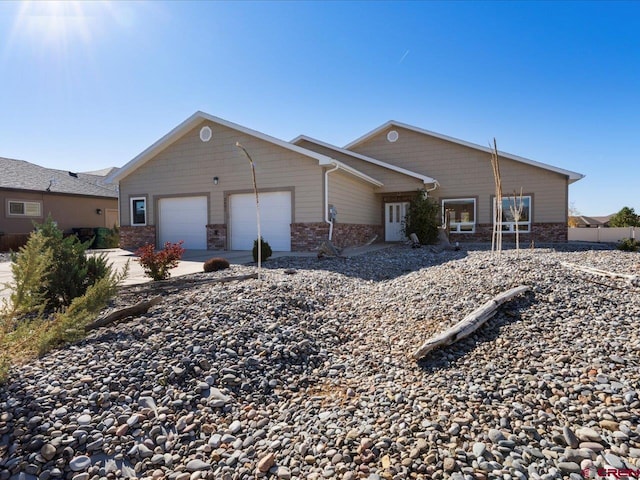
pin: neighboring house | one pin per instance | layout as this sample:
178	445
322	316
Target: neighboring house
195	184
582	221
29	193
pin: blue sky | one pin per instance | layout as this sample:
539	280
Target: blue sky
86	85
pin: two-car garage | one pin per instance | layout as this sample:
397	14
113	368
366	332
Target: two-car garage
185	218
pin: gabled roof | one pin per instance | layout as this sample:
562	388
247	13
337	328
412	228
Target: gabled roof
197	118
584	220
364	158
102	172
21	175
573	176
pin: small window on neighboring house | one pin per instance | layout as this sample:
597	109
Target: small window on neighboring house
508	221
461	214
138	211
19	208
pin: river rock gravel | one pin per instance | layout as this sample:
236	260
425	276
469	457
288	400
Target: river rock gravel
307	374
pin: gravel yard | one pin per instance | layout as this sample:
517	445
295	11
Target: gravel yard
308	375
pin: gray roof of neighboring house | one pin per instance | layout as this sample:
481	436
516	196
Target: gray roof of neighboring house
21	175
584	220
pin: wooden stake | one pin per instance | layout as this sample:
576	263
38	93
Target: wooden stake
496	236
255	190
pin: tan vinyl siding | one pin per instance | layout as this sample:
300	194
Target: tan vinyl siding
354	199
188	166
69	211
393	181
465	172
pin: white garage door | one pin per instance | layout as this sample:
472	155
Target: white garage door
183	218
275	220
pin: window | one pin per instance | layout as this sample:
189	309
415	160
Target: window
508	221
138	211
19	208
461	214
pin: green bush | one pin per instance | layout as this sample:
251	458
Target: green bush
30	268
215	264
51	270
629	245
56	291
626	217
68	326
422	219
265	250
112	240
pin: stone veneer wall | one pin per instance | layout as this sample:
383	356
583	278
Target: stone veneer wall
217	236
306	237
550	232
540	233
351	234
135	237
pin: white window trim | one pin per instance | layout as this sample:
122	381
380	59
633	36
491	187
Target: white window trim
458	225
24	202
511	226
131	216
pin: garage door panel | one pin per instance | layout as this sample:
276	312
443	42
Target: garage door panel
183	218
275	220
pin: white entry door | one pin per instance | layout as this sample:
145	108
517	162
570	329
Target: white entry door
394	214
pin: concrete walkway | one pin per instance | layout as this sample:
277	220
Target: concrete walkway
191	262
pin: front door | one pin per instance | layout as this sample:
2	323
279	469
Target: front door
394	214
111	217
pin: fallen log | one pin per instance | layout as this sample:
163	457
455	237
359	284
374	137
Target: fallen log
468	324
135	310
632	279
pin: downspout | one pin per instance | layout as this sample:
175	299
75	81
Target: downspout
435	185
326	198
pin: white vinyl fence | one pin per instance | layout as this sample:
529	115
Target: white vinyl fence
602	235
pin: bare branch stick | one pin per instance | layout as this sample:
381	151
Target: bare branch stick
600	272
468	324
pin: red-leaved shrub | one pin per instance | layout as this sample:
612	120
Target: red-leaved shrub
157	264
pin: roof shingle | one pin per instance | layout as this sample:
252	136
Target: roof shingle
22	175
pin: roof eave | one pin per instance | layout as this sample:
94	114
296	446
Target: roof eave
425	179
572	176
189	123
357	173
